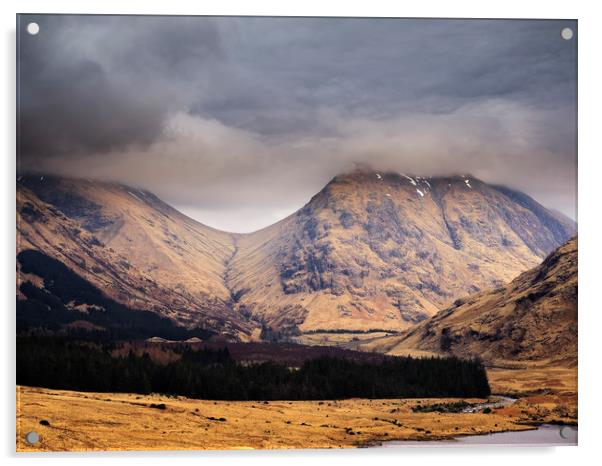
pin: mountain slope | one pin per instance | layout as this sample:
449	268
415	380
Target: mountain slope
387	250
532	318
62	302
137	249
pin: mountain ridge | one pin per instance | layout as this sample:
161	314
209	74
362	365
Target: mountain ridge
369	250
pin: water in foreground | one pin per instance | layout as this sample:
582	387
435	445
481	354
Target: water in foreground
545	435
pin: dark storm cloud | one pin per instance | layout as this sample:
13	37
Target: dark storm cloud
379	68
245	118
92	84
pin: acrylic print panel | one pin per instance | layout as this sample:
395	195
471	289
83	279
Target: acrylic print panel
253	232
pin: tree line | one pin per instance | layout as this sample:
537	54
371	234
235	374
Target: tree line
213	374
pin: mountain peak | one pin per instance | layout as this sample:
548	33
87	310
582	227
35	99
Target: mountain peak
387	178
386	250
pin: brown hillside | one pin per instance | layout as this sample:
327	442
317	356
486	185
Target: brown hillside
534	318
137	249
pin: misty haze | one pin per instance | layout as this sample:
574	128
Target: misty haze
238	121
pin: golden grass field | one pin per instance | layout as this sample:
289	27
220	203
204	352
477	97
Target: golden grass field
558	380
115	421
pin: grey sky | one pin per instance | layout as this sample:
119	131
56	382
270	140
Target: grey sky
238	121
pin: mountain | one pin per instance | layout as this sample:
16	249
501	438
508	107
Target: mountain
370	251
533	318
135	248
385	251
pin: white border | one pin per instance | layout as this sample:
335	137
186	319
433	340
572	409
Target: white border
590	213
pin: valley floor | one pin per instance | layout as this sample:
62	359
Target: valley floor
116	421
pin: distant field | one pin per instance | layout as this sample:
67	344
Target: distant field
340	339
557	380
284	353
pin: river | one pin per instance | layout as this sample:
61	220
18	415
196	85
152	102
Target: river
546	435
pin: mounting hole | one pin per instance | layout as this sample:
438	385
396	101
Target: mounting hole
568	433
32	438
566	33
33	28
